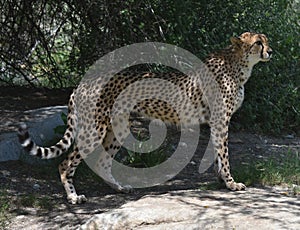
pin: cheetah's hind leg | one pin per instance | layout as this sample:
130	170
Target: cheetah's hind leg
67	170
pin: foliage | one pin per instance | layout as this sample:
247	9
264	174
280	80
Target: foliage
60	129
140	158
52	43
36	43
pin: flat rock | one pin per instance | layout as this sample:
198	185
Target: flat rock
252	209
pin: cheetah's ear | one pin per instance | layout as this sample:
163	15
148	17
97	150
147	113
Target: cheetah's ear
236	41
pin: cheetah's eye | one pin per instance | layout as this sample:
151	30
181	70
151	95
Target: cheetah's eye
259	43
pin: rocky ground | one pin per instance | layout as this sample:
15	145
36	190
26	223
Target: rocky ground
31	196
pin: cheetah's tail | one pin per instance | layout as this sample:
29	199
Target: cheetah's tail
45	152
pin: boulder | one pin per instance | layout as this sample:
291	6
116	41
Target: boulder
41	123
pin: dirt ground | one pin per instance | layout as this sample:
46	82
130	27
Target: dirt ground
36	197
22	98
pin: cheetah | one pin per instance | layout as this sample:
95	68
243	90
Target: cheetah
230	69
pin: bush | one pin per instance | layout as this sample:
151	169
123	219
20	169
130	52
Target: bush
52	43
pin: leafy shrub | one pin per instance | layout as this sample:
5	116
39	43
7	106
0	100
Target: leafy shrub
57	41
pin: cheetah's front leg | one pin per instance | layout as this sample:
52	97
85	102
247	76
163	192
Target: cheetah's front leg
222	167
104	163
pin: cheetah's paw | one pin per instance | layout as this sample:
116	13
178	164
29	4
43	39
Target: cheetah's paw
76	199
122	188
235	186
126	189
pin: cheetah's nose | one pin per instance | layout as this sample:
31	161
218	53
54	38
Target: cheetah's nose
270	52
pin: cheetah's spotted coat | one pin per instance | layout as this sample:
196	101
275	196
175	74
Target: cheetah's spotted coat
230	69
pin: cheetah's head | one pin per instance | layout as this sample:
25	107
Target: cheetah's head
252	46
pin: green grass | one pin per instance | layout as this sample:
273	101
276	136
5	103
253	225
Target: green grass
140	157
4	209
8	203
211	186
144	160
35	201
274	171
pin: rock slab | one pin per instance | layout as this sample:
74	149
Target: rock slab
251	209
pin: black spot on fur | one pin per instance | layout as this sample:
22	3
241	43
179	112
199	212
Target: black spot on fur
39	152
29	147
65	141
46	151
46	154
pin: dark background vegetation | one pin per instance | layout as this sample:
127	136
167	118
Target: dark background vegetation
51	43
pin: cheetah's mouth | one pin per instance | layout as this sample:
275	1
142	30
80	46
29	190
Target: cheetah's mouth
265	56
265	59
